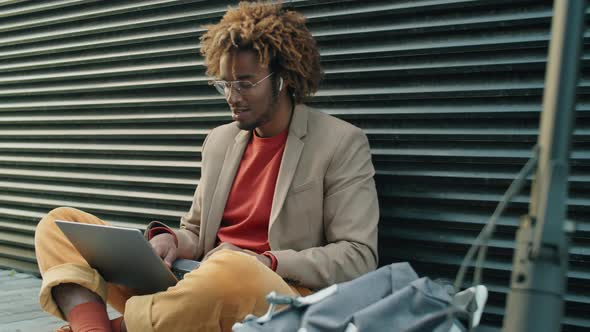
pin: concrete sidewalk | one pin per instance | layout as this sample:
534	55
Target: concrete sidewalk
19	306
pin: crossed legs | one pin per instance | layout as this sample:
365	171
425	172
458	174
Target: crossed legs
225	288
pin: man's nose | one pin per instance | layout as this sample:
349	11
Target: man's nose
233	97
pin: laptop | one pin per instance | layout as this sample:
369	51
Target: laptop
124	256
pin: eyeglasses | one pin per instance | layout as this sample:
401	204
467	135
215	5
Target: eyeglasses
242	87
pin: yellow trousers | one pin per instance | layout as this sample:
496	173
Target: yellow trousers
223	290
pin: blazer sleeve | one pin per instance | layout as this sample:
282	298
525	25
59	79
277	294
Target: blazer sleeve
190	223
350	217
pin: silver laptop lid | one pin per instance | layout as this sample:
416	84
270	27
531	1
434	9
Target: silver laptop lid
121	255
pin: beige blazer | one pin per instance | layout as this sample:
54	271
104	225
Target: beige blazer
323	220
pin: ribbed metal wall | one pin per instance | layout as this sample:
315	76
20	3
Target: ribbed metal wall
104	106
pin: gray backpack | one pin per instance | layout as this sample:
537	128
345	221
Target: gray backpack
391	298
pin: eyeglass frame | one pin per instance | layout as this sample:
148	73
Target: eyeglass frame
221	85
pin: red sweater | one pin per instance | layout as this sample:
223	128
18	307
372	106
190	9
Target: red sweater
247	211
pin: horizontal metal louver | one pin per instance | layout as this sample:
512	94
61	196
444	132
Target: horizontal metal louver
104	106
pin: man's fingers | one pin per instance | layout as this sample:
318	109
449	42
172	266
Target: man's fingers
164	246
170	257
158	250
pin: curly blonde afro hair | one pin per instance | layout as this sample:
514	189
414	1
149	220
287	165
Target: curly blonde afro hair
279	38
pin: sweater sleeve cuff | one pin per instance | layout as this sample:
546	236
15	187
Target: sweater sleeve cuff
273	260
161	230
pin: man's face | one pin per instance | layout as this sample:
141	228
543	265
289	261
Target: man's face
257	106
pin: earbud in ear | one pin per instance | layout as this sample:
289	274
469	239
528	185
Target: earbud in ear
280	84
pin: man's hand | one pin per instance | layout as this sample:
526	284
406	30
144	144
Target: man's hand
228	246
164	246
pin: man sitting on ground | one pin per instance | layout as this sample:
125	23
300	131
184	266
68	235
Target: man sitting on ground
286	200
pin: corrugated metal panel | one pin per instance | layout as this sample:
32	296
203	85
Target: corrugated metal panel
104	106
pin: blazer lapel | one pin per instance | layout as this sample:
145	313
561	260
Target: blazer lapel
231	162
291	155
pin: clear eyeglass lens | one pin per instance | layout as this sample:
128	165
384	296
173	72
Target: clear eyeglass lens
244	85
220	87
223	87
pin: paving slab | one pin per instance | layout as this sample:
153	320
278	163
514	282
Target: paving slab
19	305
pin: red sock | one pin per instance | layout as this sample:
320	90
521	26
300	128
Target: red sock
116	324
89	317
